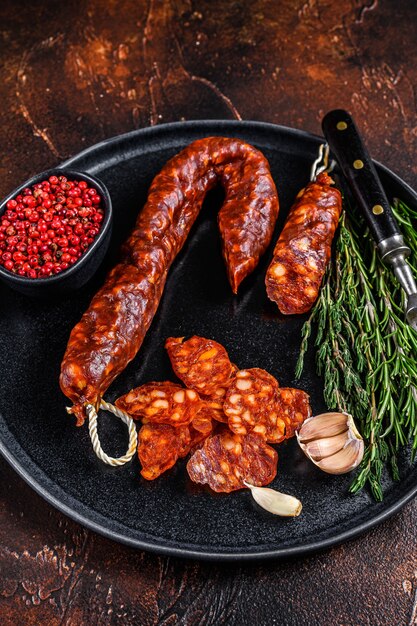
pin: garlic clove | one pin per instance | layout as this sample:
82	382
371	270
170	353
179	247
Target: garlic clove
332	442
352	428
275	502
345	460
322	448
323	425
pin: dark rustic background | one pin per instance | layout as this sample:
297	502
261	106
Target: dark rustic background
75	72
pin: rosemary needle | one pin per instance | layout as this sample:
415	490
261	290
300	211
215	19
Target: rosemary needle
365	350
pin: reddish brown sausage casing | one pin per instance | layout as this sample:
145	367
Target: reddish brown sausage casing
111	331
303	249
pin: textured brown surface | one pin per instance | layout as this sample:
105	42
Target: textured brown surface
75	72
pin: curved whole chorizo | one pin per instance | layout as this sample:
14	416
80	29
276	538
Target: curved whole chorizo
111	331
303	249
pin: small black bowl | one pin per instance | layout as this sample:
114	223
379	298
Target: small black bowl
83	269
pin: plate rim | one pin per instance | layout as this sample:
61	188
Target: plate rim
186	551
173	126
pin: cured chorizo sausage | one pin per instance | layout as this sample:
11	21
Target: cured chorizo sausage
215	404
160	446
294	409
303	249
256	404
200	428
111	331
216	399
251	398
161	403
201	364
227	460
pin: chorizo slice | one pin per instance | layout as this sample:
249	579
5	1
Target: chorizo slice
201	364
217	410
200	428
216	399
293	408
250	399
203	421
160	446
227	460
272	427
303	249
112	329
161	403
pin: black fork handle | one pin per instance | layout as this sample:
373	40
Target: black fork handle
356	164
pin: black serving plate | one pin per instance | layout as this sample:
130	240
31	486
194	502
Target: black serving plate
171	515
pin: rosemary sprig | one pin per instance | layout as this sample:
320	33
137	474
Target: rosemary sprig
365	350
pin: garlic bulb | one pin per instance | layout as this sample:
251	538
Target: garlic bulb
275	502
332	442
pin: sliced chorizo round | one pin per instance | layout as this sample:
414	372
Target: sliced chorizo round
215	403
161	403
291	409
294	409
250	398
200	428
160	446
227	460
201	364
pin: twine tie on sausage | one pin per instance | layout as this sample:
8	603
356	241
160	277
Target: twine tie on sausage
321	164
92	429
